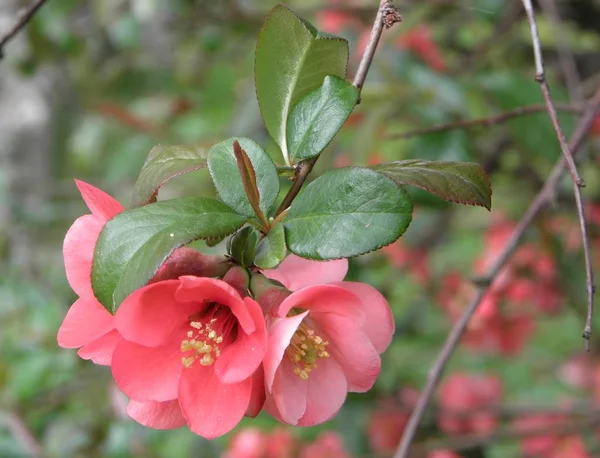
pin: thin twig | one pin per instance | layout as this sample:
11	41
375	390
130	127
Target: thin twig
565	55
20	433
540	77
484	122
387	16
543	198
24	18
577	180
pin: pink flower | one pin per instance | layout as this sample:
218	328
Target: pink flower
324	340
541	442
327	445
254	443
385	428
335	21
88	326
248	443
465	403
443	454
419	41
190	353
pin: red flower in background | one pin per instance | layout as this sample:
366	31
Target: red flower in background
413	260
596	126
504	320
255	443
541	442
327	445
443	454
420	41
336	22
324	340
467	404
88	325
491	328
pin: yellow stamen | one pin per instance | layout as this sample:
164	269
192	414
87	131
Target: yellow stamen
305	349
203	345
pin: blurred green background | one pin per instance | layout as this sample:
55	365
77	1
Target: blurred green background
90	86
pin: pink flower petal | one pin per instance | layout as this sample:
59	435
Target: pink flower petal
257	398
147	373
201	289
280	335
351	348
289	393
239	360
379	323
86	320
100	351
325	299
325	394
100	204
149	315
157	415
212	408
296	272
78	253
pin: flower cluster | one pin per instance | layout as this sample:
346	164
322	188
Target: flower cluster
528	285
280	443
206	342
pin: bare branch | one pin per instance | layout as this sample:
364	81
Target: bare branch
540	77
565	56
20	433
23	20
387	16
484	122
577	180
543	198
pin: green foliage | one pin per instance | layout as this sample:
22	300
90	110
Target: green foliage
347	212
164	163
317	118
226	175
129	80
292	59
460	182
271	249
134	243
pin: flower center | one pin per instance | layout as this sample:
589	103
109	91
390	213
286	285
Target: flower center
305	349
204	340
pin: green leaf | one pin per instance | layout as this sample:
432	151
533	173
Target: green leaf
134	244
224	171
347	212
460	182
316	119
162	164
292	59
271	249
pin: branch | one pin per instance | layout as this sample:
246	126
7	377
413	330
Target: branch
387	16
543	198
577	180
20	433
496	119
541	79
565	56
24	18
